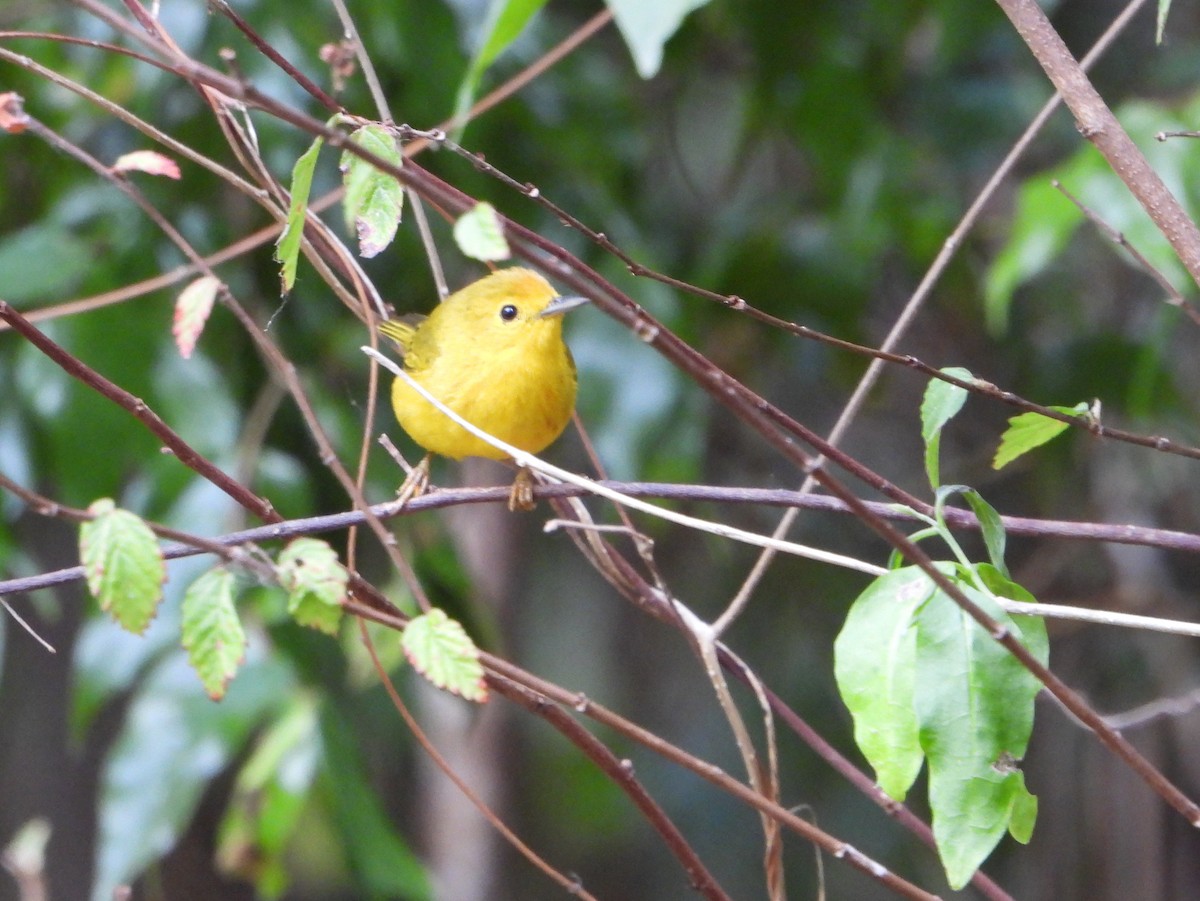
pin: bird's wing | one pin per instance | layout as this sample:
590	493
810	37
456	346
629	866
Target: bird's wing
402	330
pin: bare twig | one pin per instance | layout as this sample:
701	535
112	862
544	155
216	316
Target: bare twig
427	745
1174	298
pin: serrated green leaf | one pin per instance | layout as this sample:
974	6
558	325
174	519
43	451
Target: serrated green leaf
309	571
192	307
875	664
991	526
287	248
479	234
441	651
941	403
212	633
506	19
123	565
1027	431
374	199
974	703
646	27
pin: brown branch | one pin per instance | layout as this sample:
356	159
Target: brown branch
469	793
500	670
1097	124
738	304
1174	297
183	451
443	498
276	57
621	772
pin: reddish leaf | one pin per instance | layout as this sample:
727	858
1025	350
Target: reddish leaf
148	161
191	312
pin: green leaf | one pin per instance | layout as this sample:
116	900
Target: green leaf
646	27
1164	7
1033	628
123	564
441	651
480	235
974	703
1024	813
385	867
269	796
941	403
505	20
1027	431
43	263
172	742
1043	223
374	199
212	632
992	527
875	665
287	248
309	572
1045	220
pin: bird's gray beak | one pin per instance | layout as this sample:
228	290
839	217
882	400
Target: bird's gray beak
561	305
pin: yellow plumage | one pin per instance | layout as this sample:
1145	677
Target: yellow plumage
494	354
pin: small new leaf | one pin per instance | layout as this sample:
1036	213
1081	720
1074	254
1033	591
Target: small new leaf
191	312
992	527
941	403
646	27
309	572
123	564
1164	7
441	651
1027	431
504	21
13	118
374	199
212	633
149	161
287	248
479	234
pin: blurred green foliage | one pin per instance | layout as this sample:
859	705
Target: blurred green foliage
808	157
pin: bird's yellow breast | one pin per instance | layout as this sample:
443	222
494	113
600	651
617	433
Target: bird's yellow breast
512	377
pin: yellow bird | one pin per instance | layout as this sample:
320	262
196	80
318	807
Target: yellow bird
494	354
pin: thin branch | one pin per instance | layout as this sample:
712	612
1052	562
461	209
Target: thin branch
1173	297
915	303
469	793
500	670
1148	713
1098	125
622	773
530	461
263	47
639	321
183	451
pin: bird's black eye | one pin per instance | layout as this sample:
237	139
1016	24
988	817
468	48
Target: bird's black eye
508	312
